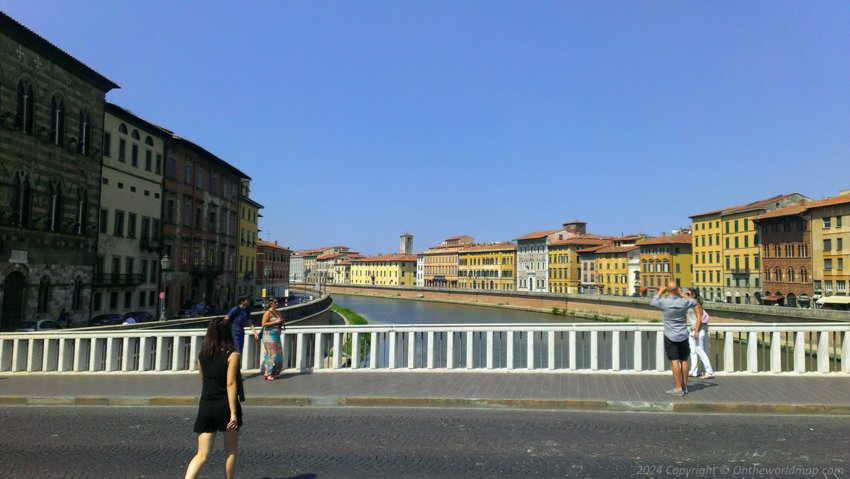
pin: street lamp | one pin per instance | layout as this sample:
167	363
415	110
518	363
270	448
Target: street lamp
165	265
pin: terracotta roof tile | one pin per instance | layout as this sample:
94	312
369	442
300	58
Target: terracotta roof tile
272	245
617	249
536	235
592	249
489	247
681	238
748	206
386	258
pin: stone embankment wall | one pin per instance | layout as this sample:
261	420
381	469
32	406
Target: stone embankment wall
636	309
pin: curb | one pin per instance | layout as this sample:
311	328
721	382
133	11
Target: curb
447	402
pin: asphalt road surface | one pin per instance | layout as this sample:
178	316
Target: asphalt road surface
320	443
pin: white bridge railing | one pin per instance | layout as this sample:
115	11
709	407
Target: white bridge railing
632	347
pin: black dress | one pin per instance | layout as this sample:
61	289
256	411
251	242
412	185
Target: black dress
214	408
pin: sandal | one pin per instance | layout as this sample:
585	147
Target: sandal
708	376
269	378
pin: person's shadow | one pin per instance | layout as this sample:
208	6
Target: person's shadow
700	385
299	476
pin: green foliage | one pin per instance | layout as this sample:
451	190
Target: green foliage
351	316
556	311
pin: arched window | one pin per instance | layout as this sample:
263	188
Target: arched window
25	113
82	211
804	276
57	120
54	207
85	133
790	277
122	128
149	141
21	195
767	274
43	294
778	273
135	135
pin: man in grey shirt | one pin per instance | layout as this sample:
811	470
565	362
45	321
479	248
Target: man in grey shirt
673	308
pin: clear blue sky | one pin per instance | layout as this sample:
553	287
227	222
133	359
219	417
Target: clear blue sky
492	119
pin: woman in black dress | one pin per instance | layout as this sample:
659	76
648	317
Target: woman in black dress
218	409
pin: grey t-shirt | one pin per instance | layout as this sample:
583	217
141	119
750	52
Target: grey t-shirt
673	310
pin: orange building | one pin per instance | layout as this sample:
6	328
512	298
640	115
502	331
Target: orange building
440	262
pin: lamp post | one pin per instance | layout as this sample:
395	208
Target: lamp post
165	265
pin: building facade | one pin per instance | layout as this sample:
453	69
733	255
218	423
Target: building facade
664	259
272	268
249	230
200	226
51	134
387	270
830	226
615	270
296	268
786	259
587	258
440	263
532	262
565	269
129	228
487	266
707	250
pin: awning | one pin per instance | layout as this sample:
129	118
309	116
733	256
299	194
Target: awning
773	297
834	300
643	290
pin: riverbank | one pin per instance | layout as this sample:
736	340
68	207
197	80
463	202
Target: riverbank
350	316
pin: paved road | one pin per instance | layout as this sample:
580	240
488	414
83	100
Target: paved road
321	443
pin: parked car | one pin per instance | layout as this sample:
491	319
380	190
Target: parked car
107	319
193	310
38	325
139	316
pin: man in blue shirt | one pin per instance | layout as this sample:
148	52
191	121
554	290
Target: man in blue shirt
673	308
238	316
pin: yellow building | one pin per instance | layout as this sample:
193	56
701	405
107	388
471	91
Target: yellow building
613	274
707	252
664	259
733	250
387	270
249	230
831	250
564	264
487	266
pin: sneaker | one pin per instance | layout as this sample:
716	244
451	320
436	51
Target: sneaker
708	376
693	375
674	392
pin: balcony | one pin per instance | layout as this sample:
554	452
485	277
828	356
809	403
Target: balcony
248	276
739	271
102	279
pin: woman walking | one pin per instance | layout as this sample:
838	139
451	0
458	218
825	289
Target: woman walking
697	337
218	409
273	350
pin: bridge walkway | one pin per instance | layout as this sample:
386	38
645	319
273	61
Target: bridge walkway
735	393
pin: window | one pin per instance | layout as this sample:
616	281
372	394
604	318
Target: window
169	211
118	225
122	150
104	214
131	225
107	144
840	265
827	245
148	160
838	223
134	155
21	197
187	174
827	222
158	164
827	264
43	294
57	120
82	211
839	244
54	218
172	168
85	133
26	100
200	180
187	213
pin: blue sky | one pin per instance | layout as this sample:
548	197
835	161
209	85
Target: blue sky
359	121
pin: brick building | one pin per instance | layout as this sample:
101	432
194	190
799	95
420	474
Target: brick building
276	259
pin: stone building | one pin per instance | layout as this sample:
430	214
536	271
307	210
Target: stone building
126	273
51	131
786	256
273	268
200	226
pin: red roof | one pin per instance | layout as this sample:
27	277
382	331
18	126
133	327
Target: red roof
592	249
617	249
804	206
681	238
748	206
536	235
387	258
581	240
489	247
266	244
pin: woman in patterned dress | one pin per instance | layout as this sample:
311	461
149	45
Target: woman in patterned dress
273	350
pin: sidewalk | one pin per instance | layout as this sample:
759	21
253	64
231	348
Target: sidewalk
583	391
